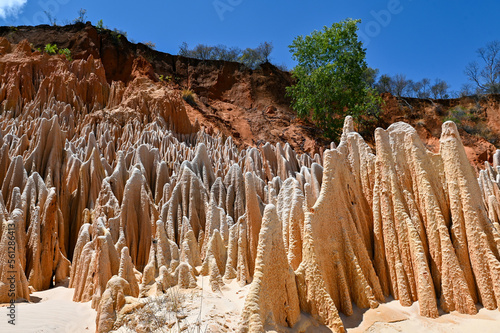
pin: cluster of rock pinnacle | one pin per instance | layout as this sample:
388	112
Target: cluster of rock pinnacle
111	187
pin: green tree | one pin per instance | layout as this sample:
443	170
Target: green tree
330	78
370	76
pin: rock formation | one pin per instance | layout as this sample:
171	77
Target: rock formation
113	300
110	185
273	299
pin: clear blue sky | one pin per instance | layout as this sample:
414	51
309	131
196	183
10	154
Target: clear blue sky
419	38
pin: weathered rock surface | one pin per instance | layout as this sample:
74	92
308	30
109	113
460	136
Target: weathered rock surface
272	301
109	185
113	300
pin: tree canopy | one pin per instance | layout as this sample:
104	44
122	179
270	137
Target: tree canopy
331	77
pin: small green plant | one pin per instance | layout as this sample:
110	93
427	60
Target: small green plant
67	53
100	25
188	96
120	32
165	78
117	35
456	114
51	48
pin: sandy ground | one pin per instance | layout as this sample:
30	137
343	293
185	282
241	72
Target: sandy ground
393	317
198	308
54	311
220	311
50	311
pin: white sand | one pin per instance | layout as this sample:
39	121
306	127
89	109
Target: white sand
54	312
220	312
393	317
199	307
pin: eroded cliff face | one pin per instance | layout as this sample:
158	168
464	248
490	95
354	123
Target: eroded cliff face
249	105
112	187
477	119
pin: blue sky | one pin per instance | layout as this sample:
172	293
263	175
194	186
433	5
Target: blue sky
419	38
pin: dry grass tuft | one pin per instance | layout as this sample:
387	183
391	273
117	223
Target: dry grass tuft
165	313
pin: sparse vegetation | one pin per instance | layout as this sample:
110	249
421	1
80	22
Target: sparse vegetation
150	44
251	58
458	114
116	34
188	96
399	85
472	121
165	78
467	90
282	67
67	53
486	76
82	16
53	49
52	19
164	313
100	25
50	48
